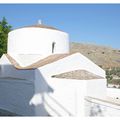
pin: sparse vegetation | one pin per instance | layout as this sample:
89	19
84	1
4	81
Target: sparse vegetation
103	52
105	57
113	76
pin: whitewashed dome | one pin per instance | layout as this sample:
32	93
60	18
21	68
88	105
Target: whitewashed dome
38	39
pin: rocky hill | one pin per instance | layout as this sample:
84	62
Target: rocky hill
105	57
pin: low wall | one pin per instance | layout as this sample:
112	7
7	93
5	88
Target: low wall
95	107
113	92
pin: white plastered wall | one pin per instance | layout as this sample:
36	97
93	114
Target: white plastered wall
68	95
16	89
73	62
65	96
15	95
8	70
37	41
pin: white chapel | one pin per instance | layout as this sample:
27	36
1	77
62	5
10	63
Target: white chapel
40	77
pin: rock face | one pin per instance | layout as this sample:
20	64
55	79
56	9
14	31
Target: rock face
105	57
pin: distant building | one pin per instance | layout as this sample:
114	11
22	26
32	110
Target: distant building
39	77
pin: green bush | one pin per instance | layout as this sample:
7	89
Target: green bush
110	73
5	28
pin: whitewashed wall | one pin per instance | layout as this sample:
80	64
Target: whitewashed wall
8	70
96	108
15	95
59	97
113	92
37	41
97	88
67	97
40	89
73	62
16	89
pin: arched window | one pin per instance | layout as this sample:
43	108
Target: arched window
53	46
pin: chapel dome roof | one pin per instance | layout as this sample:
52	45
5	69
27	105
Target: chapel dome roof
39	26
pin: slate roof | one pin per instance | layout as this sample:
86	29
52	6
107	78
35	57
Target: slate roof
78	74
39	63
75	74
39	26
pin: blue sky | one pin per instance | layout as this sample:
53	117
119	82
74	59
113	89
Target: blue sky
88	23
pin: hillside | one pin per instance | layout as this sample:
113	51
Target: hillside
105	57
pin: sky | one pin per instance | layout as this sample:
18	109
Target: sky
86	23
